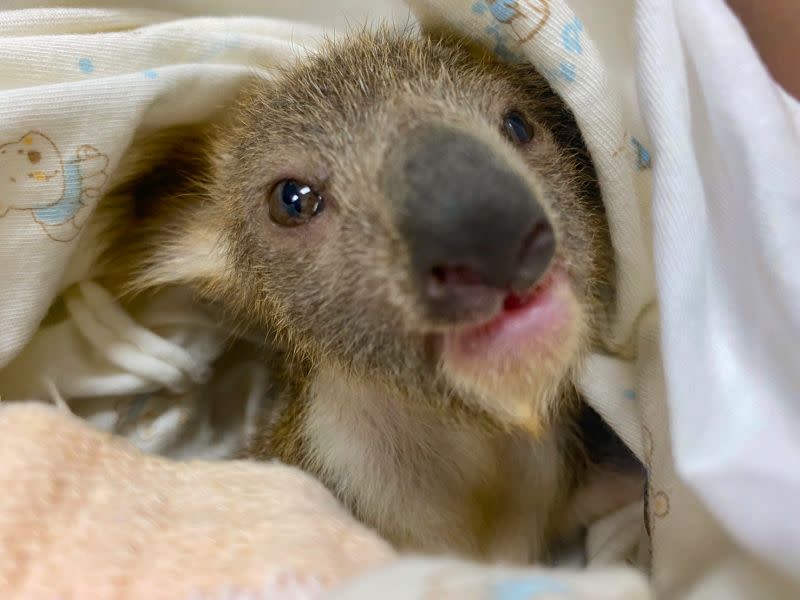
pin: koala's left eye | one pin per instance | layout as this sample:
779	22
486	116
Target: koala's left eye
517	128
292	203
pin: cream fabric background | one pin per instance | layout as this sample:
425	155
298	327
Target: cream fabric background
337	14
690	550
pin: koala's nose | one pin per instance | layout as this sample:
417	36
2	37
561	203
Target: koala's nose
473	226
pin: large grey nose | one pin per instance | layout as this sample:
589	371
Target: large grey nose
473	226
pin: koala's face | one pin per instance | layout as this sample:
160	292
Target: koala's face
31	173
416	214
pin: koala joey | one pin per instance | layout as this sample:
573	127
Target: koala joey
417	232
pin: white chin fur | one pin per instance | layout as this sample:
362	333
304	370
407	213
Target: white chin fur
518	387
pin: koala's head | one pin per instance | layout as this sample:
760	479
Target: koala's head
410	211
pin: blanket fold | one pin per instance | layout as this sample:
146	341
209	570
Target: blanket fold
700	385
83	515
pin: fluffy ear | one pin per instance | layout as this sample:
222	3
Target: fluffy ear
157	223
158	165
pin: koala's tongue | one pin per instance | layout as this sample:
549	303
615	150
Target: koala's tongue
514	302
532	319
521	351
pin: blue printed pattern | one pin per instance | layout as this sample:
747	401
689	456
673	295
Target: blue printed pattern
568	71
227	42
501	42
57	191
524	21
216	48
513	23
525	17
571	36
571	40
526	589
85	65
643	160
70	202
502	12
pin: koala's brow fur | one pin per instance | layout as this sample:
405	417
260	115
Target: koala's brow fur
415	448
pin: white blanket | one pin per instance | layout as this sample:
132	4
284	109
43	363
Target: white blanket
77	85
704	386
726	208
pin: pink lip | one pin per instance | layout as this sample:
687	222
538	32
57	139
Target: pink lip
528	319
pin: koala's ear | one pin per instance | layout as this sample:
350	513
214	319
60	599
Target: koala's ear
156	219
157	165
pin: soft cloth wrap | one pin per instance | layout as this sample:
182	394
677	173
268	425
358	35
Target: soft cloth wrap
703	385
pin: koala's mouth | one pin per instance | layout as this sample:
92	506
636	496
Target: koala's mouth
537	320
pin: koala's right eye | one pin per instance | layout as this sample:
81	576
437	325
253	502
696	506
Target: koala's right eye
292	203
517	128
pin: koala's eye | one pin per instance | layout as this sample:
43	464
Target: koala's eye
292	203
517	128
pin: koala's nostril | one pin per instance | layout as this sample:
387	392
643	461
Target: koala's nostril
34	156
535	255
444	279
456	292
539	242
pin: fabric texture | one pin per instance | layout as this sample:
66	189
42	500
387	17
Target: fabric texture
76	85
726	208
90	516
697	376
86	515
726	230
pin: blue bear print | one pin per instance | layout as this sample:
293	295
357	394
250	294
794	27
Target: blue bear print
525	18
57	192
503	10
501	45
